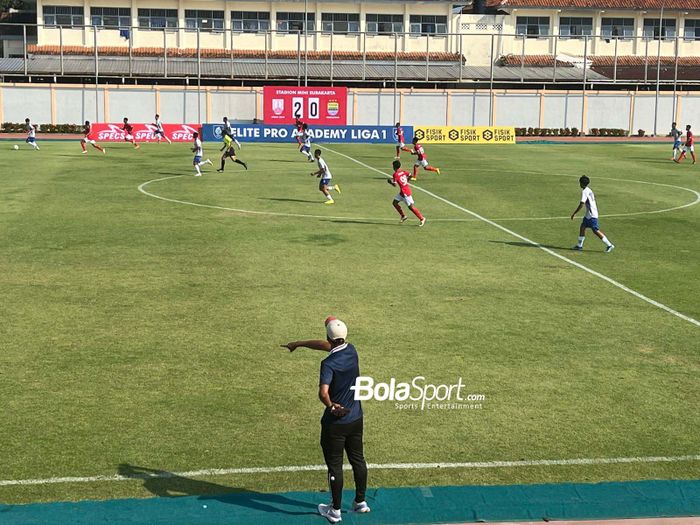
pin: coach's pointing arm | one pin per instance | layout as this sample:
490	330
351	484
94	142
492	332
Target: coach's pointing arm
314	344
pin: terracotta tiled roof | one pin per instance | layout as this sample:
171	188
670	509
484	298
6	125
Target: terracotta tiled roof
668	5
237	53
634	68
596	61
531	61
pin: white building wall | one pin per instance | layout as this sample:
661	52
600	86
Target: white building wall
470	109
26	102
137	105
76	105
562	110
234	105
73	104
425	108
609	111
515	109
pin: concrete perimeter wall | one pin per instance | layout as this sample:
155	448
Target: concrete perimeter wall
72	104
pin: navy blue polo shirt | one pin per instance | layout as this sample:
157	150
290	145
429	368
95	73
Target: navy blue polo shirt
339	371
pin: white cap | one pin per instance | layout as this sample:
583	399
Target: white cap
336	329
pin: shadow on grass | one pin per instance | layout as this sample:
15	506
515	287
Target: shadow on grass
652	160
359	221
281	199
528	245
169	485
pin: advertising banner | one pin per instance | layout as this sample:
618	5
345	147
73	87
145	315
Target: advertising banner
328	134
104	132
313	105
465	135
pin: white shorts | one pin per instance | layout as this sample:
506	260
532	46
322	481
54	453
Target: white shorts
408	199
400	144
689	148
129	137
423	163
89	141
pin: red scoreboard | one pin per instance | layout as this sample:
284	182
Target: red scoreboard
323	106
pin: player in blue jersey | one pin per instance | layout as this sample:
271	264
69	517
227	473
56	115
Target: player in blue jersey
31	134
676	136
198	153
305	148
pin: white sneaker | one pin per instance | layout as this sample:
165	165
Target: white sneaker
609	248
197	174
422	222
360	507
208	161
328	512
83	152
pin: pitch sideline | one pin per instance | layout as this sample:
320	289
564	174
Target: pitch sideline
379	466
535	244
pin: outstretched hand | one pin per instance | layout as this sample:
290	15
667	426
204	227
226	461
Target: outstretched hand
290	346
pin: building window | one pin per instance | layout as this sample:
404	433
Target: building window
63	15
652	28
113	17
294	22
617	28
692	30
204	20
250	21
532	26
157	19
575	27
384	24
428	25
340	23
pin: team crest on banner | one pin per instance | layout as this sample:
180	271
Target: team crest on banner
333	108
321	105
278	106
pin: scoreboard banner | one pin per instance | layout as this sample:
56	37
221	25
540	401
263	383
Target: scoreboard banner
105	132
313	105
327	134
465	135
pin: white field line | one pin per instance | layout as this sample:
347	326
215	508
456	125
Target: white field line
377	466
538	245
142	189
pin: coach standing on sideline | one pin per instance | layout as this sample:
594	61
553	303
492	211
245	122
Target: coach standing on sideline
341	424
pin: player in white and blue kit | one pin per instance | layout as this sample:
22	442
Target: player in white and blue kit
31	134
676	135
198	153
590	220
305	148
159	132
326	183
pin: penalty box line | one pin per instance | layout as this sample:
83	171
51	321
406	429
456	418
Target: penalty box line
378	466
580	266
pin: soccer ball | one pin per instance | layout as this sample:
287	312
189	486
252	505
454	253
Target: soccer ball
15	146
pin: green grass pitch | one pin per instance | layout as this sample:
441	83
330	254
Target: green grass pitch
141	332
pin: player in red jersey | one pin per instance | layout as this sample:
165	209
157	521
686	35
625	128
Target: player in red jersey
400	145
299	131
88	139
689	145
422	160
400	179
129	133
